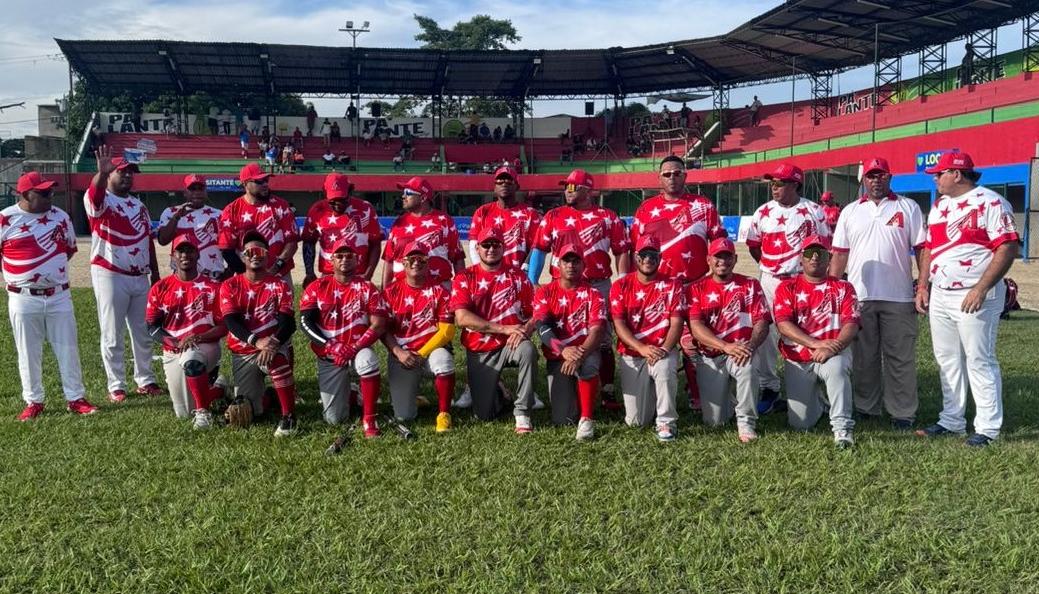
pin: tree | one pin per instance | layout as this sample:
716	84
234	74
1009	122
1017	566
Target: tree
478	33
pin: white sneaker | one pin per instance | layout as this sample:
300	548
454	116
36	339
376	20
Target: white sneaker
465	400
585	429
538	404
665	432
203	419
523	424
842	439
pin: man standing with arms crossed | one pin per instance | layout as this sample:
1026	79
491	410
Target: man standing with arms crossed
872	242
338	215
270	216
972	241
516	221
36	243
122	262
196	218
775	238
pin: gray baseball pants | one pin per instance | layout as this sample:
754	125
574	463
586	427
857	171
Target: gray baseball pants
649	390
562	388
484	370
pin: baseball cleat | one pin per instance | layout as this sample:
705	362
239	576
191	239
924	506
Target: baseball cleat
150	390
443	422
843	439
31	411
82	407
117	396
465	400
585	429
902	425
203	419
935	430
523	425
747	435
665	432
768	402
371	427
286	427
978	440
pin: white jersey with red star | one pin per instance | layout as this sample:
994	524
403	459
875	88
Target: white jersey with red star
204	224
187	308
416	312
572	312
36	247
647	308
258	303
596	231
346	308
820	310
120	232
684	227
729	310
272	219
962	234
779	230
434	230
517	225
326	227
502	296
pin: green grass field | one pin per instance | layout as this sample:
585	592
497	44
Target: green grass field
132	500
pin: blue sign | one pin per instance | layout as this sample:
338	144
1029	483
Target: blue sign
223	184
930	159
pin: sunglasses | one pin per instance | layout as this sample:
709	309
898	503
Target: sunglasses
575	187
648	255
941	173
876	175
416	259
411	193
815	251
504	181
255	252
491	245
672	173
778	183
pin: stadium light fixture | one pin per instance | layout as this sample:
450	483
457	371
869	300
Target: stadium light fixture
349	24
670	50
365	25
537	61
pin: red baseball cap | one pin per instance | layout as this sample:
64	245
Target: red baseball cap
121	164
719	245
192	179
416	247
346	242
960	161
815	240
876	164
505	170
827	196
418	184
337	185
568	249
188	238
647	242
788	173
34	181
579	177
489	233
252	172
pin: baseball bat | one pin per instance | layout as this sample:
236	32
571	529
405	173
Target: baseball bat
399	427
341	441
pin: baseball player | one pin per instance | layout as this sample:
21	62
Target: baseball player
257	309
571	317
818	317
683	224
183	314
421	223
831	210
493	304
972	241
517	221
729	319
647	312
344	315
596	232
122	261
36	242
330	219
198	218
872	242
420	339
257	210
777	230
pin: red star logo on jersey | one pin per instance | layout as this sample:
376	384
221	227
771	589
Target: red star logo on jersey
765	210
803	210
781	220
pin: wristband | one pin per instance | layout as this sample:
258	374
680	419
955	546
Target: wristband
279	263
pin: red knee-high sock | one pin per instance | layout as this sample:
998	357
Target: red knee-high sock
370	395
587	390
607	367
445	386
690	380
201	391
286	398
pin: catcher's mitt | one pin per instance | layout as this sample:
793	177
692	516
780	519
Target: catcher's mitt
239	414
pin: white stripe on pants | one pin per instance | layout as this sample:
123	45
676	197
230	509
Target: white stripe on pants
649	390
173	364
121	302
712	377
967	343
35	318
767	355
805	399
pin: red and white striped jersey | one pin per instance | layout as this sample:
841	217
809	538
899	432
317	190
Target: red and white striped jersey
598	232
345	308
517	225
502	296
646	309
416	312
273	220
326	227
684	227
120	230
779	230
36	247
818	309
204	223
729	310
259	304
572	312
434	230
962	234
187	308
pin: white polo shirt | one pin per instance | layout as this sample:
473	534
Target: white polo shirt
879	238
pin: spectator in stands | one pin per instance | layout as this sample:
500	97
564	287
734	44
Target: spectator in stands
517	165
225	122
265	134
405	145
286	158
351	116
329	158
485	132
297	137
212	123
243	139
497	134
398	161
254	120
343	158
311	119
474	133
336	132
685	113
509	134
367	136
271	155
384	136
755	112
967	66
564	137
326	132
298	160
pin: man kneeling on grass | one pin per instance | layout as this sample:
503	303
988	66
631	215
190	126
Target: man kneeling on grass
817	317
571	316
344	315
183	314
257	309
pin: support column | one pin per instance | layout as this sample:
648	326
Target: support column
932	67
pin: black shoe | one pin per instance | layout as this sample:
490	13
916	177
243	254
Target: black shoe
286	426
767	402
902	425
978	440
935	430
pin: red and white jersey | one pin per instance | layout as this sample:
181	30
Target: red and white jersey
779	230
962	234
416	312
878	238
435	230
684	227
326	227
346	308
187	308
517	225
820	310
36	248
572	312
597	231
730	310
647	308
258	303
273	220
120	232
204	223
502	296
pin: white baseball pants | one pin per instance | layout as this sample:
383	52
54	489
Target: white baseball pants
767	355
208	353
121	301
38	318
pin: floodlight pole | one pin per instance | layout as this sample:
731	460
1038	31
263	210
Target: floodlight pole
354	32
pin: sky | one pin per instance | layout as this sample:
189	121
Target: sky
32	71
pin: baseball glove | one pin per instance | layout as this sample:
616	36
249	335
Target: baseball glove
239	414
